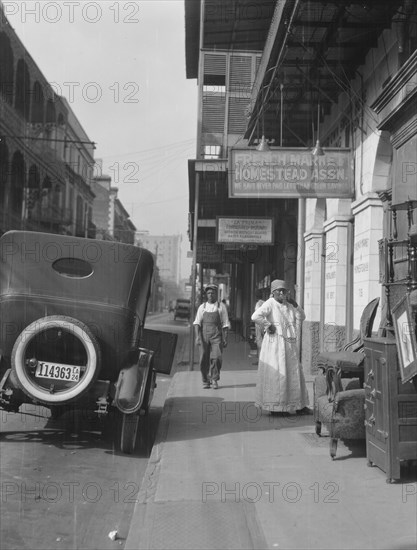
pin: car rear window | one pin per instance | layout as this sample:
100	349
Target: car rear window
73	267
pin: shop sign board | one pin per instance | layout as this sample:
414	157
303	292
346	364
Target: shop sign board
245	230
208	252
290	173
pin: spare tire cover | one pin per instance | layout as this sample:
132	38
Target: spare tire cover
55	359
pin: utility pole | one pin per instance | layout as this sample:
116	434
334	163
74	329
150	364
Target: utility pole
156	286
194	271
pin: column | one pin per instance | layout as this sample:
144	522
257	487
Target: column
336	281
368	215
313	241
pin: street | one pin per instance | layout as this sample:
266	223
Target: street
64	484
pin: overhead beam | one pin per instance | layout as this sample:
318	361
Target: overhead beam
315	45
346	24
242	29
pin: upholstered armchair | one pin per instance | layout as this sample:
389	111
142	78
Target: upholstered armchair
339	405
350	359
339	397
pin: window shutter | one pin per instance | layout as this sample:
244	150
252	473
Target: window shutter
213	113
240	77
215	64
237	116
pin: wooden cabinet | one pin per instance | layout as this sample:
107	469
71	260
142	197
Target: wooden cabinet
390	409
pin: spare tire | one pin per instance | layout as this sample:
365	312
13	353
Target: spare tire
55	359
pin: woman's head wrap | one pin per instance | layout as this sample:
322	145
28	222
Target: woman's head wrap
278	283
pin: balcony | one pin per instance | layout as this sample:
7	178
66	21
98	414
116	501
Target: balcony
52	215
30	137
78	180
11	119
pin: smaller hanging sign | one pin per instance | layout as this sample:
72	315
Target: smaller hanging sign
236	229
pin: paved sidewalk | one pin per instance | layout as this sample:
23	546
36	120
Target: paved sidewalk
222	475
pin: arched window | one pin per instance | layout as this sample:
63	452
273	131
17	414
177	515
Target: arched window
38	100
22	95
50	112
18	182
4	172
79	220
32	194
46	184
6	68
57	196
34	178
46	193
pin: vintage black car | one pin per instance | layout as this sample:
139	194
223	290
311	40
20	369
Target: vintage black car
72	315
182	309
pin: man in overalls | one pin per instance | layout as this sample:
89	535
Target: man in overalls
211	327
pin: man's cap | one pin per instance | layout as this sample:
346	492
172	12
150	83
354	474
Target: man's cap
213	287
278	283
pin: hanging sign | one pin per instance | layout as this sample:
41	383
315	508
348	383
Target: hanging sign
235	229
290	173
208	252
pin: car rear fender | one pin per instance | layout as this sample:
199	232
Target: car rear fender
132	383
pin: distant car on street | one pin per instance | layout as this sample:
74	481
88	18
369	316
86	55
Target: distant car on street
182	309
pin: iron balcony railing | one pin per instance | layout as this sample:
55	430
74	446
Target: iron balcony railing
51	214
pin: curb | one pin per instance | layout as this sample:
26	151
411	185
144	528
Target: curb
152	469
150	479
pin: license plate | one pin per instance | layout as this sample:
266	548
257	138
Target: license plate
57	371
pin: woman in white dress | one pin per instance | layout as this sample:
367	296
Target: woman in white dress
281	386
259	331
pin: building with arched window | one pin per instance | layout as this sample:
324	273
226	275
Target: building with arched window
46	157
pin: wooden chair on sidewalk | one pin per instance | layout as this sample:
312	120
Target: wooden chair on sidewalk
339	397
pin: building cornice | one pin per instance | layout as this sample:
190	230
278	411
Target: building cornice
406	73
313	234
397	104
366	201
337	221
